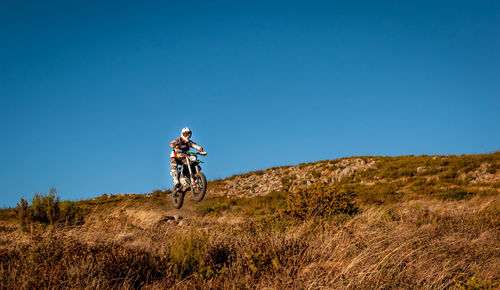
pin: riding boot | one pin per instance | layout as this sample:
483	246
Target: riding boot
175	178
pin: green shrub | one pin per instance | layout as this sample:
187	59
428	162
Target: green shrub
70	213
48	209
45	208
321	200
187	253
23	212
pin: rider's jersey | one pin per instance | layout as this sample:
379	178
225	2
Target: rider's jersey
179	147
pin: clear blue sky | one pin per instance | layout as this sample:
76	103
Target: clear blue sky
92	92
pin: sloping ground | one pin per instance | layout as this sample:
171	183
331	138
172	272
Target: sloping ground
424	222
474	171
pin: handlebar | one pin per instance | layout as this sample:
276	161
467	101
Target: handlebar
202	153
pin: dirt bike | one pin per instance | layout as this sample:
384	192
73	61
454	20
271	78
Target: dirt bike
190	178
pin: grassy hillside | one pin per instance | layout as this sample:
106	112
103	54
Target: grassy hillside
368	222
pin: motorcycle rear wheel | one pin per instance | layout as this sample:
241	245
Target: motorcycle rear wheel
199	188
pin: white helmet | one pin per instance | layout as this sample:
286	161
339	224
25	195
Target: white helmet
186	134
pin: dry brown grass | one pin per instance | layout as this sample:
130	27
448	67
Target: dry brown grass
409	233
415	244
428	244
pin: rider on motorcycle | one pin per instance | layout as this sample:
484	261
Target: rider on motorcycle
180	147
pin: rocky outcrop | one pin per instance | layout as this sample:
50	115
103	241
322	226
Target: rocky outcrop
289	177
481	175
346	167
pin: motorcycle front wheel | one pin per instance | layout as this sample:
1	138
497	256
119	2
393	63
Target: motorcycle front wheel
178	198
199	188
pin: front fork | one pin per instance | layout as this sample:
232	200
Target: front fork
190	171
